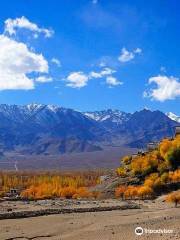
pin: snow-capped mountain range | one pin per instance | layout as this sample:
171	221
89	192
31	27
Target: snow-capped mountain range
49	129
119	117
110	115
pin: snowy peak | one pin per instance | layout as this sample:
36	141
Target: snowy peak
36	107
173	116
114	116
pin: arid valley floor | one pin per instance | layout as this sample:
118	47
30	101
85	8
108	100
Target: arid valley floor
105	225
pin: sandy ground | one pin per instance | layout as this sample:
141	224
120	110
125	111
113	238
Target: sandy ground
115	225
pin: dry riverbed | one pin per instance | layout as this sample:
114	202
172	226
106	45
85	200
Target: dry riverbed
105	225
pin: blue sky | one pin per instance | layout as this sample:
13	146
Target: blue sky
96	54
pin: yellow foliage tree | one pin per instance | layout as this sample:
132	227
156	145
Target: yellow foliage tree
174	198
145	191
121	172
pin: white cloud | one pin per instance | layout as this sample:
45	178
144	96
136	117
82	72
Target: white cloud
106	71
44	79
112	81
138	50
80	79
95	74
11	25
56	61
127	56
16	63
77	80
167	88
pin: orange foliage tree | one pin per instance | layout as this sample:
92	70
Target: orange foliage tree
154	169
50	185
145	192
174	198
119	191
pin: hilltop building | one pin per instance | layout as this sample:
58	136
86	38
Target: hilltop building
177	131
152	146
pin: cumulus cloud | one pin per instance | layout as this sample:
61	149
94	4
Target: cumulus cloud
112	81
44	79
77	80
17	62
80	79
166	88
127	56
11	26
56	61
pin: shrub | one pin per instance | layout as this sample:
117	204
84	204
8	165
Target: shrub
174	198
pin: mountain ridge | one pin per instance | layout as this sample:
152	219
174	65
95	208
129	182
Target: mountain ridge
51	129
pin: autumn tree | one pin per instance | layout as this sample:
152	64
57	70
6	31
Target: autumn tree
131	192
174	198
173	158
121	172
145	191
145	164
126	160
119	191
164	147
174	176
